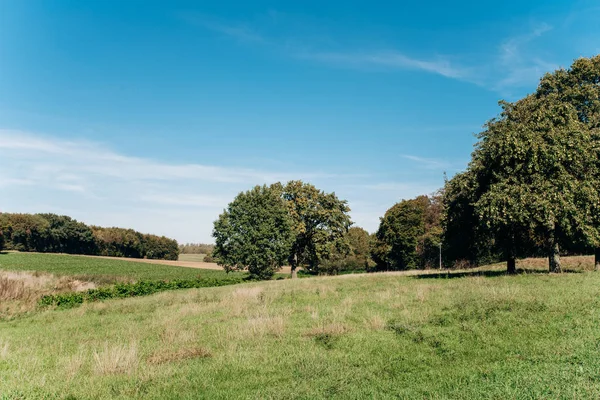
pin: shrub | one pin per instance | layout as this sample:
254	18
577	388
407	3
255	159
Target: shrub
140	288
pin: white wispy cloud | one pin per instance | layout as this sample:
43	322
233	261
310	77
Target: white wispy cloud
191	200
237	31
428	163
386	59
95	184
515	64
354	59
94	158
510	50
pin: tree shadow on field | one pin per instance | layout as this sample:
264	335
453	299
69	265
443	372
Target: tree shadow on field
448	274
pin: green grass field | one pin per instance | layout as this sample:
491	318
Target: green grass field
531	336
192	257
99	270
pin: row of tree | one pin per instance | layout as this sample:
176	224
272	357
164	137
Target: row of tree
196	248
533	184
51	233
532	188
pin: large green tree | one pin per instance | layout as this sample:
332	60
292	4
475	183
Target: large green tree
254	232
463	241
579	86
531	167
534	176
354	257
320	223
409	235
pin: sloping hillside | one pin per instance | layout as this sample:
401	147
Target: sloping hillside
360	336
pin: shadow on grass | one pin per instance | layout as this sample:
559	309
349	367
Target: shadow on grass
488	274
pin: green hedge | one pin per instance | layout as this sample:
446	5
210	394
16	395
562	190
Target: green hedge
140	288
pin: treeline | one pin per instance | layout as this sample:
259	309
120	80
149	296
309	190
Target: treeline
51	233
532	188
196	248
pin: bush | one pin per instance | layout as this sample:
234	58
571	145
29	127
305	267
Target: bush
140	288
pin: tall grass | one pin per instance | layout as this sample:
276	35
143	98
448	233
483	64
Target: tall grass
365	336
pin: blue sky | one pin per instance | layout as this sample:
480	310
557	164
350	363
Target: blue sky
153	115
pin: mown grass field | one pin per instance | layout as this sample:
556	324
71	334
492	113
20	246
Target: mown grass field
358	336
192	257
99	270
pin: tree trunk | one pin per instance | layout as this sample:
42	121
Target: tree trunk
511	265
294	266
554	258
597	259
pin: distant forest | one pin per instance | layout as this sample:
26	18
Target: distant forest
196	248
51	233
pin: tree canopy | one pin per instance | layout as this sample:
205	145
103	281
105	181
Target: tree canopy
409	235
533	178
254	232
270	225
354	257
320	223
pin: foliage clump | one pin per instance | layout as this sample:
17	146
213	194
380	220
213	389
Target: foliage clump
140	288
409	235
268	226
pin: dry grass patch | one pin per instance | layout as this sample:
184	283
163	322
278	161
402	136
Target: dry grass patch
333	329
172	333
4	347
115	359
20	291
247	293
11	289
241	299
324	290
327	335
267	325
422	293
575	263
375	323
163	357
73	364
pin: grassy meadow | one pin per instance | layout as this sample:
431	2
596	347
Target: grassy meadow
26	277
474	335
98	270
